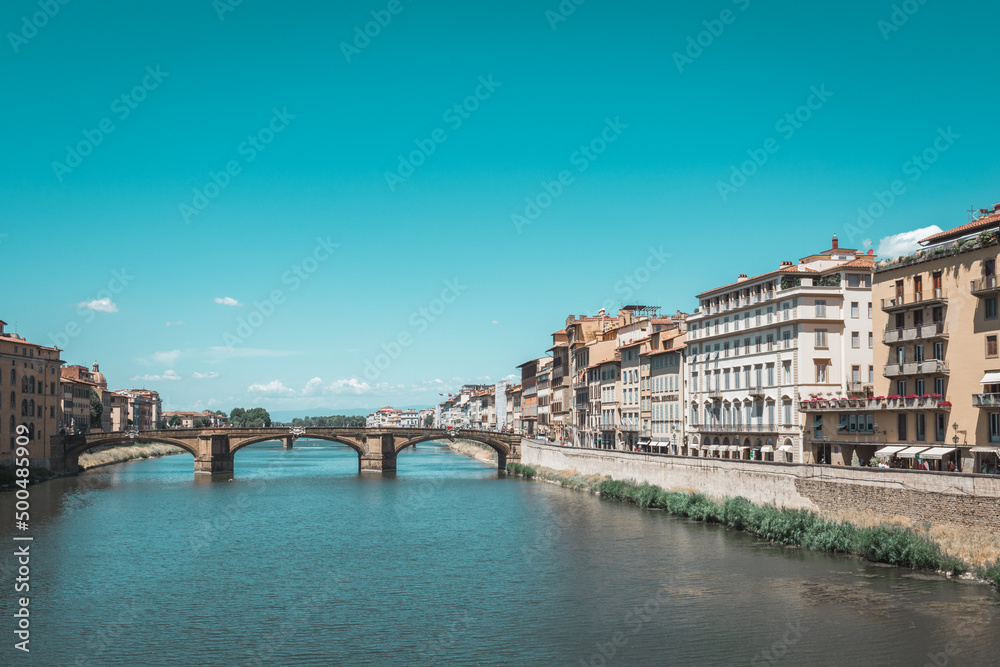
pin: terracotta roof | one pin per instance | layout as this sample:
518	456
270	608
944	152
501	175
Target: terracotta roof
635	342
979	225
862	262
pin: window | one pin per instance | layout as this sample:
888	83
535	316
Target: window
855	311
856	374
920	387
991	308
821	372
901	426
787	409
995	427
770	375
871	375
856	340
821	338
939	386
939	426
869	310
918	353
871	340
901	387
938	351
921	433
820	308
991	346
787	371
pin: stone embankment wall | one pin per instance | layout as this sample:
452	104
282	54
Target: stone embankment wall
958	499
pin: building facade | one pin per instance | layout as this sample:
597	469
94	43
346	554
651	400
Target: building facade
29	395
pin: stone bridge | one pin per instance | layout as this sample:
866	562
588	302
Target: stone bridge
214	448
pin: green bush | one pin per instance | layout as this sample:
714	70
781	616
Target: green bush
523	470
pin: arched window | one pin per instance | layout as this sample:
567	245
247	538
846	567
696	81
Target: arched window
12	426
31	385
13	401
24	407
24	384
31	408
13	377
31	431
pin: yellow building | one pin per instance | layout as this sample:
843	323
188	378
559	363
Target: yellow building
29	395
936	402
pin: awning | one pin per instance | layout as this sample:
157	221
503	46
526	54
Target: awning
644	441
714	448
986	450
742	447
911	452
818	422
734	448
937	452
886	452
785	448
991	377
767	449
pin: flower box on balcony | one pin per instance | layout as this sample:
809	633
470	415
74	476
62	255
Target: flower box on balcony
944	404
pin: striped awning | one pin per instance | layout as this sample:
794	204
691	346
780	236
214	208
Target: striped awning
937	452
911	452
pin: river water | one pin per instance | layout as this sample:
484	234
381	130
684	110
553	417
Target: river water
302	561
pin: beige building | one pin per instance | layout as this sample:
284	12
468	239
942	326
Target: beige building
666	364
29	395
758	347
77	384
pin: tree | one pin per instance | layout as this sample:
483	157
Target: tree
175	421
855	461
202	422
96	408
252	418
220	413
428	421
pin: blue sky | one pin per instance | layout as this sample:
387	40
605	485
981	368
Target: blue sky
338	259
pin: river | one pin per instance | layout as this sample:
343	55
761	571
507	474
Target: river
302	561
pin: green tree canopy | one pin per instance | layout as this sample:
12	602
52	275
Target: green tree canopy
252	418
202	422
96	408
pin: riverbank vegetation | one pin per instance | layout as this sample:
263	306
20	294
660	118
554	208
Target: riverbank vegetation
877	541
107	455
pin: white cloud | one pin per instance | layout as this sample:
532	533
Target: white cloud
166	358
205	376
316	387
178	323
227	301
272	388
105	305
905	243
167	375
495	322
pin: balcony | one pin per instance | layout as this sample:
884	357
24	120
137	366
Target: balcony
933	297
930	367
859	388
874	404
741	428
907	334
986	286
849	438
986	400
756	391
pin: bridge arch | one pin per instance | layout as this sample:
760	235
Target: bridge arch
311	436
74	452
500	447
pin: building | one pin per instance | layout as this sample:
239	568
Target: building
666	363
205	419
560	392
424	414
385	417
29	396
145	409
529	395
758	347
937	402
77	384
543	385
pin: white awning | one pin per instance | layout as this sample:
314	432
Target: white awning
911	452
767	449
742	447
785	448
886	452
991	377
937	452
734	448
714	448
986	450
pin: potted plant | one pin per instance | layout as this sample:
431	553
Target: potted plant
944	404
910	398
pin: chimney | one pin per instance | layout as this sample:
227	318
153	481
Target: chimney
784	265
996	208
836	244
742	277
2	324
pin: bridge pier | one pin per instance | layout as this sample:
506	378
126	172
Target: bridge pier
381	456
214	456
287	441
